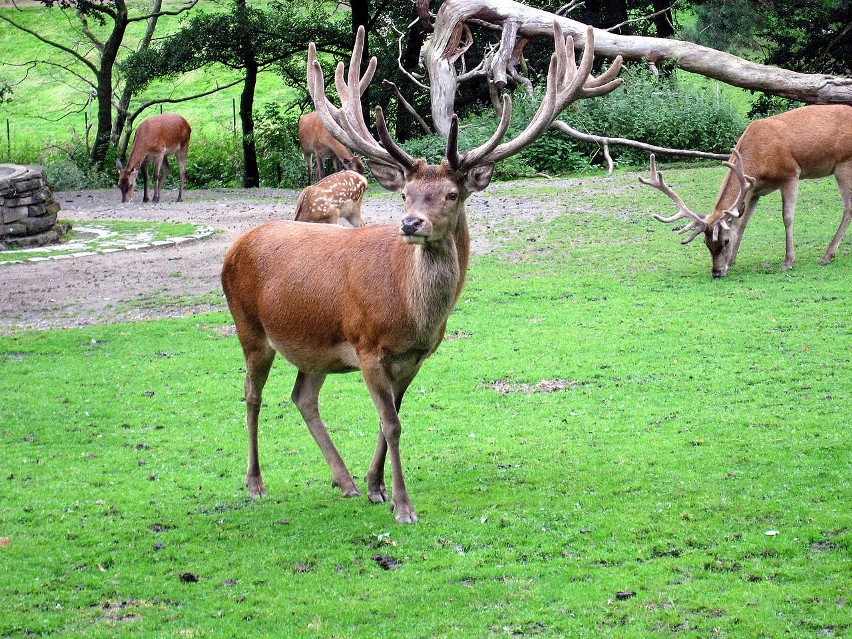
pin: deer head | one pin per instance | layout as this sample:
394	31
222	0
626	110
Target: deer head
716	226
447	184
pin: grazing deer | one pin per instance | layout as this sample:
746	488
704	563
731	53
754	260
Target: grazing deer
156	137
316	141
774	153
334	197
375	298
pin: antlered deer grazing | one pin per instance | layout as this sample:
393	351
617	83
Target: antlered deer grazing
156	137
775	153
375	298
316	141
338	195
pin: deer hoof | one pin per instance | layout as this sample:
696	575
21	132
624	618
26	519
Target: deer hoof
347	488
405	515
379	496
255	486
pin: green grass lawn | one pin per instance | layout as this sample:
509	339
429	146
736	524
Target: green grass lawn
687	474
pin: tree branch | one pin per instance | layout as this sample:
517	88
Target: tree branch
157	14
52	43
561	126
410	108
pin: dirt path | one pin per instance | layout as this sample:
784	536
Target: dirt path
166	281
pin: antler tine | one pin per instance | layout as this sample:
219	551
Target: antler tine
327	112
473	157
746	182
395	151
346	124
566	82
698	223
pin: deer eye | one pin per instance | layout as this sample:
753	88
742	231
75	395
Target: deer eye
452	196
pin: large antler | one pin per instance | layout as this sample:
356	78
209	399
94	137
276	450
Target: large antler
566	83
698	223
347	123
746	182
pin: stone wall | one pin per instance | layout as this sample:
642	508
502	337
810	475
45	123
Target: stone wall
27	208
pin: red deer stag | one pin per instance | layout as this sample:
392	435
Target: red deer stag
156	137
316	141
375	298
333	197
775	153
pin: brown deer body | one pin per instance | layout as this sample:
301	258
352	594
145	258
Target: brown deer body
316	142
775	154
376	298
334	197
156	137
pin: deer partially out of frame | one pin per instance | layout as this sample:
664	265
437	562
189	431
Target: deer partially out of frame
774	153
375	298
333	197
156	137
316	142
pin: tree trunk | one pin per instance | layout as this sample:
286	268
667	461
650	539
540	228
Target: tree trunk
103	90
453	14
128	91
251	173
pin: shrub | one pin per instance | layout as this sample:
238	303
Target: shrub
278	154
68	167
214	161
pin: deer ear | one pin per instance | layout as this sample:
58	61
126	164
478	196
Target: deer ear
478	177
390	177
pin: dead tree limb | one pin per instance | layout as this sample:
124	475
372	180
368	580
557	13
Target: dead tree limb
454	15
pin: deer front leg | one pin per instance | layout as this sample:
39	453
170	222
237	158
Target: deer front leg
382	393
739	225
145	181
375	477
788	200
306	398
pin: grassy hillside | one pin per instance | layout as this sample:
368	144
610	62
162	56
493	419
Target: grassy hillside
49	105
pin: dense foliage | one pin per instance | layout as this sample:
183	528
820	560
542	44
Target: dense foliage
654	110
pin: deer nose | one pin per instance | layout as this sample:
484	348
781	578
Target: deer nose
410	225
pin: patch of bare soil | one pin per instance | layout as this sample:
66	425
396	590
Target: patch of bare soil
169	281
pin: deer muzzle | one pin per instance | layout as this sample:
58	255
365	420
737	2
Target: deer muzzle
413	230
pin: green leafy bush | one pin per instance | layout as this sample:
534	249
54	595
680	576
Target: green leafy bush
214	161
278	154
68	166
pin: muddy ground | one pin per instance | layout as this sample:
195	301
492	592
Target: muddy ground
168	281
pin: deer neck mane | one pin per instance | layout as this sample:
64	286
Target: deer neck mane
437	276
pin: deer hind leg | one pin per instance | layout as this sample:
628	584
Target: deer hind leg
387	396
788	202
306	398
180	156
162	174
843	173
259	357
